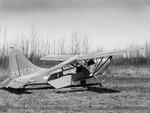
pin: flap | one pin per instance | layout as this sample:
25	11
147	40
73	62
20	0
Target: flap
56	57
61	82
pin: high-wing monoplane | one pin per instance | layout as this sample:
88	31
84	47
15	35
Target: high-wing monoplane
72	69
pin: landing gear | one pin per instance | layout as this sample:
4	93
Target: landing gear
83	83
101	83
23	87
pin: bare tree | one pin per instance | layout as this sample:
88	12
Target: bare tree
54	44
85	45
25	45
0	38
75	43
61	47
99	49
147	49
33	41
4	44
4	61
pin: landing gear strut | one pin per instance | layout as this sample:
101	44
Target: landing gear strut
99	82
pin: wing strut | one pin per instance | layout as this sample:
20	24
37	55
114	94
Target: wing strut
99	66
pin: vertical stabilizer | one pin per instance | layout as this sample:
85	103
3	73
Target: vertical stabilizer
19	65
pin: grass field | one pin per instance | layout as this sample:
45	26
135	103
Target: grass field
127	90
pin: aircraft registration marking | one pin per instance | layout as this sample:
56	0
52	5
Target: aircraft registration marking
24	71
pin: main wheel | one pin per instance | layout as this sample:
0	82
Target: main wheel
83	83
102	84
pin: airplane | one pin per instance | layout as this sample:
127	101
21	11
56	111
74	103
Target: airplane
72	69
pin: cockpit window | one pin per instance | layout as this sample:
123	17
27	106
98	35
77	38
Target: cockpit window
90	62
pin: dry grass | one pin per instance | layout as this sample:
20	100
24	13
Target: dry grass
129	71
123	95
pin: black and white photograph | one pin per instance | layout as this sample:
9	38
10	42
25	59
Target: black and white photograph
74	56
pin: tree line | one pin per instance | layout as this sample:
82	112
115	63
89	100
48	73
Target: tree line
35	46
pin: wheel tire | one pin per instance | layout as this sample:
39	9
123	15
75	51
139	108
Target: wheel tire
83	83
100	84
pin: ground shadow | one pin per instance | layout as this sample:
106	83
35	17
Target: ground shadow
134	88
94	87
16	91
102	90
87	85
25	90
39	88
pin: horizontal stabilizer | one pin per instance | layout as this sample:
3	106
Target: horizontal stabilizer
12	83
5	82
16	84
20	83
61	82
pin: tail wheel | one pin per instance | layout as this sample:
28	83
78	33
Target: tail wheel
83	82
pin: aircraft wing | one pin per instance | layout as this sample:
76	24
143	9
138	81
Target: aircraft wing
110	53
56	57
96	55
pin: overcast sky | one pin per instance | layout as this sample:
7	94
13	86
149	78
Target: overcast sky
110	23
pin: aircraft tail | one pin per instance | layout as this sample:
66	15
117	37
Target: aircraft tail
19	65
